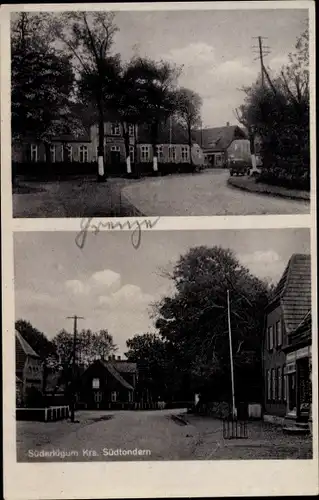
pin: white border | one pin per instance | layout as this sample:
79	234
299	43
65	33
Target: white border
145	479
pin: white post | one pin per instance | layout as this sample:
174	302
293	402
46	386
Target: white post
155	167
101	166
128	165
234	411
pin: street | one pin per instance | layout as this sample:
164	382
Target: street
151	435
205	193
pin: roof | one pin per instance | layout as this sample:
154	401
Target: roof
294	291
303	331
27	349
114	372
124	366
218	138
23	349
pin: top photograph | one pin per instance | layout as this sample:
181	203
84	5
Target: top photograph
160	113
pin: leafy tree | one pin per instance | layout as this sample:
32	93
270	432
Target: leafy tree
42	83
188	110
155	87
278	113
88	38
37	339
194	320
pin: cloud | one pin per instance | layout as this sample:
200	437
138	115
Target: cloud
129	296
106	278
276	63
194	54
264	264
77	287
234	72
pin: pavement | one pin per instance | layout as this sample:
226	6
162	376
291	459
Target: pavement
205	193
151	435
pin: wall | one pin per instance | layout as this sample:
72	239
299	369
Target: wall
272	360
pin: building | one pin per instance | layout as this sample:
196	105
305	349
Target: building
172	146
63	148
107	381
219	144
298	371
29	372
290	303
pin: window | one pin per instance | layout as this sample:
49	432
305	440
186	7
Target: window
115	148
52	153
96	383
115	129
132	154
145	153
185	153
83	154
273	384
131	130
268	385
270	337
172	153
218	159
278	334
113	396
68	153
34	152
159	151
279	383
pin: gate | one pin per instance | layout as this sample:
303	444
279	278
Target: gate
234	429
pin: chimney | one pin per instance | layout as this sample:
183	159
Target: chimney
119	358
227	124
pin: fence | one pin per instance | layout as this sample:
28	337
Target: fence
48	414
234	429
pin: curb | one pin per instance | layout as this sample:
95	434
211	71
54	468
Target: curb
135	211
179	419
268	193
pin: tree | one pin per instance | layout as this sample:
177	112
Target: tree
88	38
42	83
37	339
155	88
188	110
278	113
158	376
194	320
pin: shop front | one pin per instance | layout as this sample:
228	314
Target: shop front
298	383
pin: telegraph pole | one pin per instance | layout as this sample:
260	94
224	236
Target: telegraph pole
234	411
75	325
262	52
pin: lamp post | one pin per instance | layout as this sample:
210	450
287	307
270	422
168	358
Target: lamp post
75	318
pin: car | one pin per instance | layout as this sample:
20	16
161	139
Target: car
239	167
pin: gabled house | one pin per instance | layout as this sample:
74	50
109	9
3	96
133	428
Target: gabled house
290	303
107	381
29	371
219	144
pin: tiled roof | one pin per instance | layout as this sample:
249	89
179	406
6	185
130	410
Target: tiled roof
294	291
303	331
23	349
218	138
124	366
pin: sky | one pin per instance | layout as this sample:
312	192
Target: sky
214	47
112	284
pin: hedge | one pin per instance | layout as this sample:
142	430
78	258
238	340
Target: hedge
60	170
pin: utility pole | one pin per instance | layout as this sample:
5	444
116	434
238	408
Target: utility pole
234	411
262	52
75	326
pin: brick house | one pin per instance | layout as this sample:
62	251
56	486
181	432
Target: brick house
219	144
290	303
29	371
107	381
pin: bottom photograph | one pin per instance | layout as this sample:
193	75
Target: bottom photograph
192	345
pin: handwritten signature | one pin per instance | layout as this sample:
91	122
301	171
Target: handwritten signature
135	226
